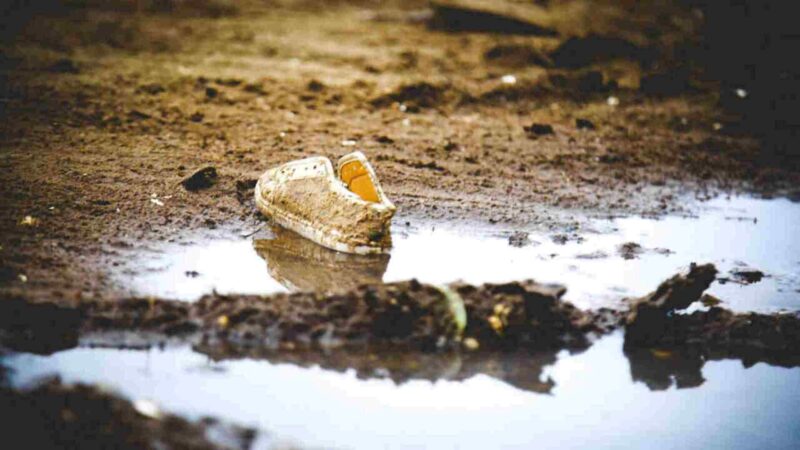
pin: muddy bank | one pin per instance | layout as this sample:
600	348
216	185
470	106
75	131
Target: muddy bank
655	321
55	415
412	316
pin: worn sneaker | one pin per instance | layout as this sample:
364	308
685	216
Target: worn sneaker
344	210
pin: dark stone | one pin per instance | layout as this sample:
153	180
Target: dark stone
584	124
201	179
315	86
64	66
539	129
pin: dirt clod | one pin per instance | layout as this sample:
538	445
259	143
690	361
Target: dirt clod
202	178
539	129
584	124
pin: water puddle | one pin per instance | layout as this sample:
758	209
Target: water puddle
597	268
601	398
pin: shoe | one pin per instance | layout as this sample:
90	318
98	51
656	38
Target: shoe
344	210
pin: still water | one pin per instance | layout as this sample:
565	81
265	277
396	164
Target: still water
734	233
601	398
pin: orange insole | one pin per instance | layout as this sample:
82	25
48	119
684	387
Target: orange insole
357	179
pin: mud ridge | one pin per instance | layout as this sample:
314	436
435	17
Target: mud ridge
410	316
55	415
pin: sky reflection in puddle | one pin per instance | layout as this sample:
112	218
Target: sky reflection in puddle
734	233
598	398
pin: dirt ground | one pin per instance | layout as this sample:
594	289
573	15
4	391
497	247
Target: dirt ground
107	108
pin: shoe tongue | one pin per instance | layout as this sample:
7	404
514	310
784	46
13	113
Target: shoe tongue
356	177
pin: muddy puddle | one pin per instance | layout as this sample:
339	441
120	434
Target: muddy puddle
600	264
601	398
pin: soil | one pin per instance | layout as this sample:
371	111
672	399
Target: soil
107	109
56	416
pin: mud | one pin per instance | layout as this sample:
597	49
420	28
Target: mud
414	316
53	415
141	100
653	322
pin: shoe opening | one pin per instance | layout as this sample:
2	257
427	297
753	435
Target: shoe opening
355	176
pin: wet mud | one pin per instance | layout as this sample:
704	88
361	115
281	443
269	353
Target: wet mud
53	415
416	316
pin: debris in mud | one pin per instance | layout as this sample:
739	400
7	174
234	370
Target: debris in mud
524	315
584	124
578	52
29	221
483	17
202	178
539	129
519	239
55	415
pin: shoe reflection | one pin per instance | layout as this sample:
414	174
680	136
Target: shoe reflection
301	265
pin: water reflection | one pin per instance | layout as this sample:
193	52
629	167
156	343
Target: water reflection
524	370
595	399
592	269
301	265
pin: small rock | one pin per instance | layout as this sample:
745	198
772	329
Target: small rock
192	273
384	140
211	92
64	66
152	89
747	276
147	408
29	221
539	129
471	344
630	250
201	179
315	86
196	117
508	79
584	124
519	239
